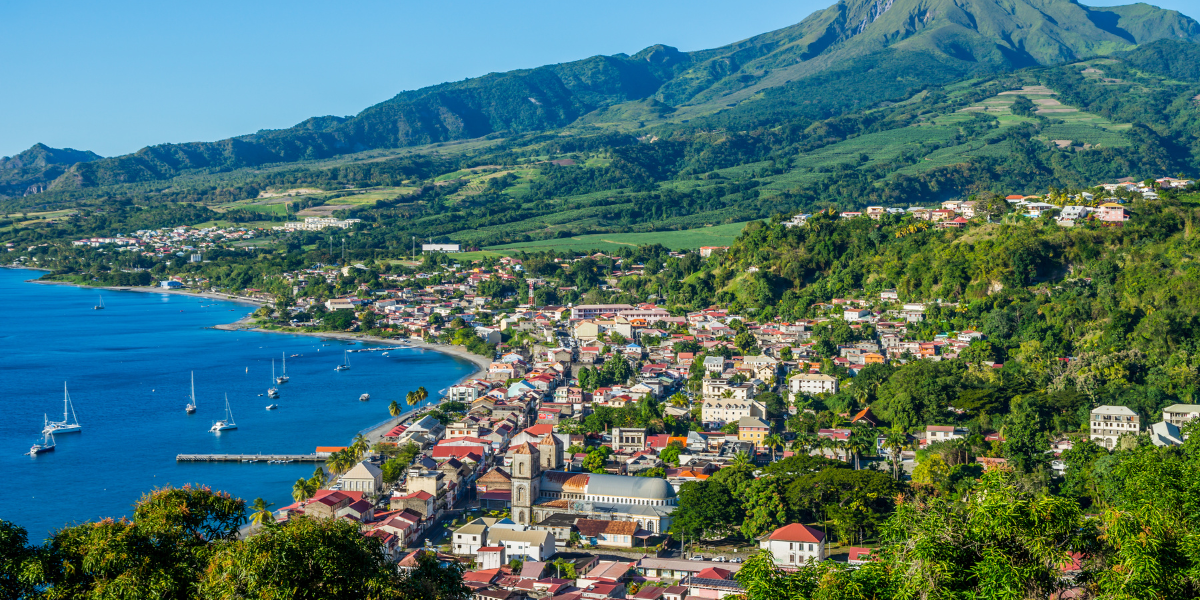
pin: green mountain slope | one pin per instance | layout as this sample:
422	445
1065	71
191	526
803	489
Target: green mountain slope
29	171
857	53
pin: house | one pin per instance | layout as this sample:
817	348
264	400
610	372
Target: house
753	429
626	439
613	534
1109	423
1165	434
364	477
812	383
526	545
794	545
1112	212
944	433
855	314
1180	414
470	538
489	557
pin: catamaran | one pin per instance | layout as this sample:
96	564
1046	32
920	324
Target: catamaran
272	392
227	423
99	306
69	424
283	378
345	362
191	407
47	445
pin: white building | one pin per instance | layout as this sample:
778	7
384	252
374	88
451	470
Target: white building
944	433
794	545
526	545
449	248
812	383
1108	423
1179	414
730	410
364	477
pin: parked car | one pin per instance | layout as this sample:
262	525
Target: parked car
696	557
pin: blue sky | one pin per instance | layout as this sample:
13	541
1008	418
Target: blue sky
115	76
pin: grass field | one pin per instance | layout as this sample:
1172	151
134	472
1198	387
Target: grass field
717	235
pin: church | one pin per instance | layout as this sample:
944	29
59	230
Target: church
540	489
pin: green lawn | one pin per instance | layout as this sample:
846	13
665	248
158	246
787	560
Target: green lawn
717	235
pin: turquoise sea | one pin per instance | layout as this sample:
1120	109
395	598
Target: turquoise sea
127	368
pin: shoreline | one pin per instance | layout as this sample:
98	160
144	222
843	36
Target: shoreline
373	433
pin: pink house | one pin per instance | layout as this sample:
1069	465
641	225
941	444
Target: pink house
1112	212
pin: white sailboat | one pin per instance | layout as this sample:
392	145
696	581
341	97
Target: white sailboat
70	423
191	407
283	377
272	392
47	445
101	305
345	362
227	423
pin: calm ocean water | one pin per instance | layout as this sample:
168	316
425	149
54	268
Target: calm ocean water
127	368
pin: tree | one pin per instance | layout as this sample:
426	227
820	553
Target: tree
931	471
301	490
742	460
359	447
161	553
306	558
261	514
596	459
394	409
861	441
411	398
670	454
678	400
706	509
422	394
1025	438
895	441
774	442
16	558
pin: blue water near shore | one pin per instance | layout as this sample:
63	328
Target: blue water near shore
128	369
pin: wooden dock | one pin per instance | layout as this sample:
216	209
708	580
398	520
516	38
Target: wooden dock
246	458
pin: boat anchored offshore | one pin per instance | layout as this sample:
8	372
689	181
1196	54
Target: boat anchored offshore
227	423
99	306
364	397
345	362
191	406
283	378
47	445
272	392
69	424
272	406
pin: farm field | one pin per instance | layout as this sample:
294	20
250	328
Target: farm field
717	235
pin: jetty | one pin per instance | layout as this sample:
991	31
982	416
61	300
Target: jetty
246	458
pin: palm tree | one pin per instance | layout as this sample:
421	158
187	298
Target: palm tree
359	446
773	442
262	512
301	491
896	440
394	409
678	399
741	460
860	441
411	398
422	394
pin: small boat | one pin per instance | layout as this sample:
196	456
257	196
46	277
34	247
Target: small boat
364	397
345	362
283	377
68	424
227	423
293	356
47	445
385	353
191	407
99	306
272	392
272	406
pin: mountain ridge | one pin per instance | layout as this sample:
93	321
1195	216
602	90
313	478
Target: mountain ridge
896	39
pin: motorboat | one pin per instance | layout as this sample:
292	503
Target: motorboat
46	445
69	424
364	397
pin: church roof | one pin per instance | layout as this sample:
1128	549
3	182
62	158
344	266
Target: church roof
525	448
547	441
620	486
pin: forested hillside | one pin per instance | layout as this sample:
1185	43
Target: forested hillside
859	53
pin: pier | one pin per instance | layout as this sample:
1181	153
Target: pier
245	458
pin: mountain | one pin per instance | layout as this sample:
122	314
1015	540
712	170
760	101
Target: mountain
29	171
856	52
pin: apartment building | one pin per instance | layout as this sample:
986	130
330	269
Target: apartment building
1108	423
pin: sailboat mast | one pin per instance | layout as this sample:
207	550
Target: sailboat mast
66	401
193	389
